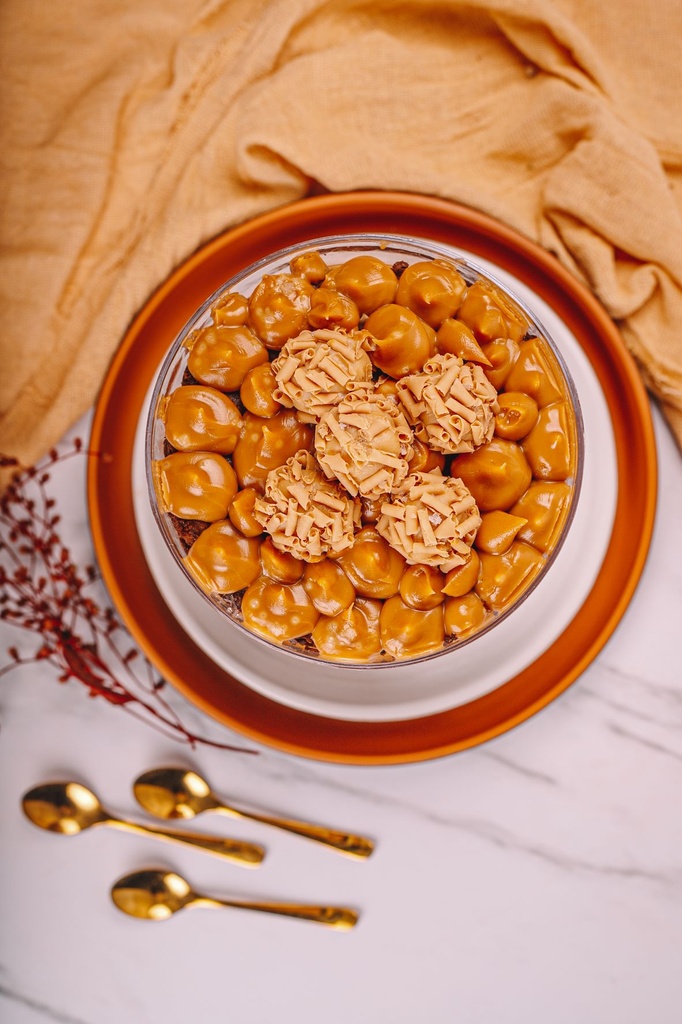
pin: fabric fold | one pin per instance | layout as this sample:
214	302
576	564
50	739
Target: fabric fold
135	132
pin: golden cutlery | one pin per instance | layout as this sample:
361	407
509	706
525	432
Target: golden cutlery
69	808
156	895
177	793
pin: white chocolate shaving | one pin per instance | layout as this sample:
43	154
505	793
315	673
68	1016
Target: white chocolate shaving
456	406
316	368
430	520
304	513
364	441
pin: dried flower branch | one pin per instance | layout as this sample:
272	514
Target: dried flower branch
43	592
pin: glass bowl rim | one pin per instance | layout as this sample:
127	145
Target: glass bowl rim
361	241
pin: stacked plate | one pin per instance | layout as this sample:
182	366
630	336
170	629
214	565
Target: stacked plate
417	711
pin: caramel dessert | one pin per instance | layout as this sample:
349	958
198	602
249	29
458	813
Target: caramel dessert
367	462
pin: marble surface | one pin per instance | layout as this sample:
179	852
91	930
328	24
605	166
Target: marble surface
535	878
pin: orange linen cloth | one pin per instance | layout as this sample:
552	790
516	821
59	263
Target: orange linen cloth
134	131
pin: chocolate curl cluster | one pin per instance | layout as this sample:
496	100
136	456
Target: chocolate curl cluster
304	513
365	442
431	520
317	367
451	404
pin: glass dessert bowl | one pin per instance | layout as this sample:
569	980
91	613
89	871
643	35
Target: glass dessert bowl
365	450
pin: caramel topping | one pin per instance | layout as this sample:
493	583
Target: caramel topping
407	632
490	314
403	342
517	322
230	310
280	565
503	578
498	531
451	404
328	587
464	615
317	367
304	513
258	391
431	520
535	374
368	281
387	387
462	579
545	506
309	265
425	459
364	442
371	509
457	339
278	611
372	565
241	515
479	312
223	561
278	308
194	485
497	474
548	447
352	635
266	444
422	587
501	354
517	416
333	309
433	290
222	356
198	418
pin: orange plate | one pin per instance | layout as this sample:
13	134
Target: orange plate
123	563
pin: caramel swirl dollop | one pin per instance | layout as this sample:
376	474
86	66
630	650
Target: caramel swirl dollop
367	280
317	367
200	418
222	356
332	309
402	341
451	404
221	560
278	308
351	635
408	632
431	520
266	443
278	611
194	485
304	513
365	442
433	289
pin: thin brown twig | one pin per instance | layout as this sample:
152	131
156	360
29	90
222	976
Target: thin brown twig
43	592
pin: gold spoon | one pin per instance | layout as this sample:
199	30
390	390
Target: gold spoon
69	808
155	895
176	793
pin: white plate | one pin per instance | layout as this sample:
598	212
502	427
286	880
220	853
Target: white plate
408	691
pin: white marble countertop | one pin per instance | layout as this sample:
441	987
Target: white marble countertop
535	878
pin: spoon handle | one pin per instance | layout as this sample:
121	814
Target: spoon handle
249	854
355	846
334	917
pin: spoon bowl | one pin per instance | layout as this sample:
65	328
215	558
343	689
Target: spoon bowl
179	793
151	895
65	807
173	793
155	895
